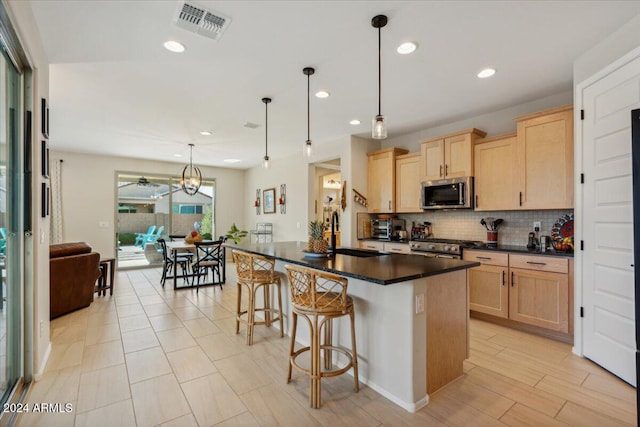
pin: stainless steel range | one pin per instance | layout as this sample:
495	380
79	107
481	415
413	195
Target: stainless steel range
439	248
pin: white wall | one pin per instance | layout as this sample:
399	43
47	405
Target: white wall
625	39
495	123
89	195
24	24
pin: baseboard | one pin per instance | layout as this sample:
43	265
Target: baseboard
38	375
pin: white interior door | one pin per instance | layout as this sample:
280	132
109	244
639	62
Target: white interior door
607	272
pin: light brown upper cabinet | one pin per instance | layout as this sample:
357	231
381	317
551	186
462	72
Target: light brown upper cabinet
496	174
408	183
449	156
381	179
545	159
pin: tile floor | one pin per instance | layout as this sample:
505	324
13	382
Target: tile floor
150	356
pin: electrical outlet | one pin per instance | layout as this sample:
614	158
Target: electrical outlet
419	303
536	226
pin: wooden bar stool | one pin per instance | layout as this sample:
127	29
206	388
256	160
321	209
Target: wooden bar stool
320	297
255	272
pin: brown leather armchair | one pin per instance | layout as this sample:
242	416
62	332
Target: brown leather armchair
73	271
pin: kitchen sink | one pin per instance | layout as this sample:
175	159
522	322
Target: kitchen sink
359	252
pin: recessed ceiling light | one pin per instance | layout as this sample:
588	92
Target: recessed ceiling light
174	46
354	122
177	155
205	133
487	72
407	48
322	94
231	160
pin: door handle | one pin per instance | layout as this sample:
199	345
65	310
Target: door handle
389	205
502	284
476	200
446	170
440	170
521	198
512	281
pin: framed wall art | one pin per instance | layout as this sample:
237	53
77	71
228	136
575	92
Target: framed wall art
269	201
45	159
44	199
44	105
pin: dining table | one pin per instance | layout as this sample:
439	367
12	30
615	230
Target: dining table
180	246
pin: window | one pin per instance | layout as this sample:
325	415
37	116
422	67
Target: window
187	209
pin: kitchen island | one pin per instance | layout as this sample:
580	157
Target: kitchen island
412	316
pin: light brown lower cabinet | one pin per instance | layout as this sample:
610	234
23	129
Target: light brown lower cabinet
529	289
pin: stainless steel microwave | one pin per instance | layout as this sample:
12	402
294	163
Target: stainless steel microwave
454	193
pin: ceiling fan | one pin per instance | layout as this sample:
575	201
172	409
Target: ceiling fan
144	182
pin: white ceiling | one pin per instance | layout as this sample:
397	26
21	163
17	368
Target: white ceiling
115	90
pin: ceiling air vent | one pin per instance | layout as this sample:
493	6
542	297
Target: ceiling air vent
197	19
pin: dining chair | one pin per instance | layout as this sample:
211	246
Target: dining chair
209	256
168	263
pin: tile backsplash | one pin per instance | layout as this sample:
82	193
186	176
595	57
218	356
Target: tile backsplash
465	224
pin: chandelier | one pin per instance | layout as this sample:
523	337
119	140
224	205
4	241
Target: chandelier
191	176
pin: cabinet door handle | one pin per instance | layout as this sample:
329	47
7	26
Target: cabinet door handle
389	205
502	278
476	200
440	170
536	263
446	170
512	281
521	198
483	257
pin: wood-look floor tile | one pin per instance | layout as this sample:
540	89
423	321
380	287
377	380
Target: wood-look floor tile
612	386
65	355
132	323
523	361
40	419
242	373
521	373
271	405
390	414
486	347
546	403
183	421
158	400
102	355
103	387
535	346
139	340
165	322
102	333
487	401
56	386
145	364
603	403
520	415
243	420
116	414
157	309
190	363
580	416
187	313
212	400
130	310
200	327
69	333
219	346
176	339
455	413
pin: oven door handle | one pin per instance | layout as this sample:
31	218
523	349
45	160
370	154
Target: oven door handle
446	256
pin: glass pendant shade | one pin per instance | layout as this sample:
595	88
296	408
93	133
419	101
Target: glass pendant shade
379	128
191	178
265	163
308	150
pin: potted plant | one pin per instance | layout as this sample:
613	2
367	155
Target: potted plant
316	242
235	234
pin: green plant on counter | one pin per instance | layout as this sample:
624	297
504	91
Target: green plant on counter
235	234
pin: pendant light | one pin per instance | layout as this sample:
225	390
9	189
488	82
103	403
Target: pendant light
191	176
266	101
379	129
308	71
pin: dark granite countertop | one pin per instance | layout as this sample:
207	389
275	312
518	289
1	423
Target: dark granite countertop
384	269
522	250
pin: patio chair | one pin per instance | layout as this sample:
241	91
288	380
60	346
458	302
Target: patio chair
153	237
140	236
3	241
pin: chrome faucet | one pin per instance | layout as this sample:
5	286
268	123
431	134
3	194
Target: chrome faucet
335	225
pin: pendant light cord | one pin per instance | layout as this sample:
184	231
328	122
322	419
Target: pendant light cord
379	72
308	106
266	129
